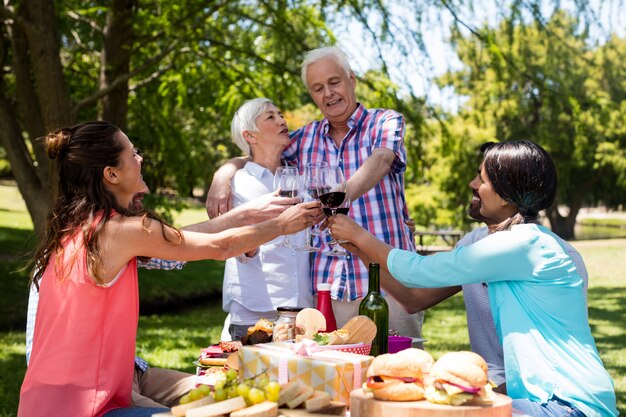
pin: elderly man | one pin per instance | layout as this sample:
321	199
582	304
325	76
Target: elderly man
368	145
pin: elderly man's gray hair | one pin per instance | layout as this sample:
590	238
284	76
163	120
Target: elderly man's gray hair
245	119
326	52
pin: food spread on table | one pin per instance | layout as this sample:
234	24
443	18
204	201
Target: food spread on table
390	383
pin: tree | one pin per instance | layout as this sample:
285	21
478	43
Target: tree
551	85
165	72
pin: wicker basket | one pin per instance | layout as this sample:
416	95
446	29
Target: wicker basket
358	348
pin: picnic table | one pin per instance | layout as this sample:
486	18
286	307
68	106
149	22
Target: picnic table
450	238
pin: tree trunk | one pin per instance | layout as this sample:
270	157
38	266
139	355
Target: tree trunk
115	61
563	226
42	99
35	195
43	42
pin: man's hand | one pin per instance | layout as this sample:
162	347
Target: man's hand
219	196
218	199
299	217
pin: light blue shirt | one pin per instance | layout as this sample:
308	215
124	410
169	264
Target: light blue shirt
480	326
276	276
539	308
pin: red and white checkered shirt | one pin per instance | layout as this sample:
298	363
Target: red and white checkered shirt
382	210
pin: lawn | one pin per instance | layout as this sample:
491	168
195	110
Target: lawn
173	339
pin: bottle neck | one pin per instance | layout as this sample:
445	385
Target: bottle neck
374	278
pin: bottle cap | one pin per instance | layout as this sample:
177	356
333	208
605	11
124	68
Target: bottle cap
323	287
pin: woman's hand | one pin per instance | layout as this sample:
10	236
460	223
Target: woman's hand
299	217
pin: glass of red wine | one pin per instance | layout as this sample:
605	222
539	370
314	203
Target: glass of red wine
288	183
311	192
334	199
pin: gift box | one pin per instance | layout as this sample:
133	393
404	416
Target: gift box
334	372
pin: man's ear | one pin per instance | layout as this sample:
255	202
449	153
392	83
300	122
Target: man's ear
110	175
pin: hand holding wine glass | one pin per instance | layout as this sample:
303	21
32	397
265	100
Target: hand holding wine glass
287	182
311	191
334	199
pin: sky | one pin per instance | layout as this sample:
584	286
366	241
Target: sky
417	75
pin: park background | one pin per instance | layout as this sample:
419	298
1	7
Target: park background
171	75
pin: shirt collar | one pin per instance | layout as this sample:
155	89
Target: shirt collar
256	170
355	119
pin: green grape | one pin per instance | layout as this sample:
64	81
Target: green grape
231	375
232	392
272	390
204	389
195	394
220	395
219	384
185	399
243	389
261	381
256	395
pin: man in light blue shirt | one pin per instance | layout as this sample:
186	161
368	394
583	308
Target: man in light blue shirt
536	293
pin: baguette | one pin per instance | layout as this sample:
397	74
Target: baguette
319	400
219	408
288	392
181	410
305	393
264	409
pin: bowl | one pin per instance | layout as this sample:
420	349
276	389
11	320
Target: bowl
398	343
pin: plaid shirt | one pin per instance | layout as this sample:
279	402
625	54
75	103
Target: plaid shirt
382	210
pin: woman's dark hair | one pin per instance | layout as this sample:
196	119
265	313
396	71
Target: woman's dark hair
81	153
523	174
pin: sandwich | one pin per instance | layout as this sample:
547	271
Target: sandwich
459	378
399	376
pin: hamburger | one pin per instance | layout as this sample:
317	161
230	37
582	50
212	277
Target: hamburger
459	378
399	376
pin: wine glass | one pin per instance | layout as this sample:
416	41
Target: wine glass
314	187
311	190
333	199
287	182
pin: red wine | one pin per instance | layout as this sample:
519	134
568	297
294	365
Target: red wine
333	199
315	192
288	193
339	210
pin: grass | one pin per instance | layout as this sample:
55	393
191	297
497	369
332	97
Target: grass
173	340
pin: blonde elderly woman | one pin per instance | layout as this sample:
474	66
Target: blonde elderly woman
255	284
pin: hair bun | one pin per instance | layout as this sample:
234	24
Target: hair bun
56	142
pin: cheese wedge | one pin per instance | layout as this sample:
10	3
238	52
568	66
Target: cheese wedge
319	400
305	393
288	392
180	410
264	409
217	409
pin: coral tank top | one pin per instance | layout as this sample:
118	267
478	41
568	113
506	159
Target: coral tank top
84	343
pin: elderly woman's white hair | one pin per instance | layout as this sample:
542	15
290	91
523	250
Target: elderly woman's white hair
245	119
326	52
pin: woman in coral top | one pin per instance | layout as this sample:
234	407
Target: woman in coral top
84	344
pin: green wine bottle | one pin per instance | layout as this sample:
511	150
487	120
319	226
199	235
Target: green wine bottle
375	307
